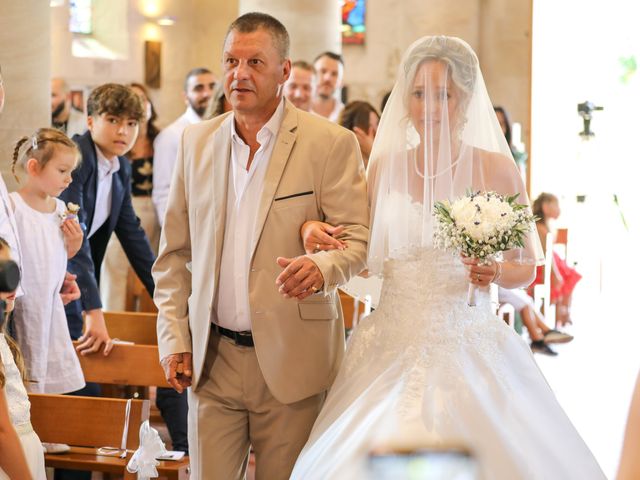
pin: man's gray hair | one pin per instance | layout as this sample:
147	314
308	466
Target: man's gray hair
250	22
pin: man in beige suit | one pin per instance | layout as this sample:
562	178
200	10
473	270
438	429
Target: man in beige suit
246	319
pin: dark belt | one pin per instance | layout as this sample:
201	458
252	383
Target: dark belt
244	339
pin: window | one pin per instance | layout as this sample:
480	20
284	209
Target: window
353	28
80	19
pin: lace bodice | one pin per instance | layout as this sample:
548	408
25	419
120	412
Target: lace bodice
14	390
423	318
428	280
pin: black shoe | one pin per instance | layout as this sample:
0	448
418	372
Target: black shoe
540	347
556	336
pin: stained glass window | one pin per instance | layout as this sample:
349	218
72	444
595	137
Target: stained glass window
353	28
80	20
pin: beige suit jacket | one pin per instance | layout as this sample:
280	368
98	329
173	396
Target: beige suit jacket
315	173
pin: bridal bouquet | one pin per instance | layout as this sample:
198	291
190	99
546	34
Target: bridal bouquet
481	225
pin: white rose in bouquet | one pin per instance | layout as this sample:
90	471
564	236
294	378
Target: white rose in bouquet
481	225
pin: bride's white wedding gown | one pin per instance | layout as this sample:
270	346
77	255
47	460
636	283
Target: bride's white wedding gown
425	367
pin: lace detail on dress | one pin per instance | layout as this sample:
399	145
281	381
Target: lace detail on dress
14	389
424	322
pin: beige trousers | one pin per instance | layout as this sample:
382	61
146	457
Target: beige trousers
115	266
233	410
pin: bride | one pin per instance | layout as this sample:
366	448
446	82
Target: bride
425	368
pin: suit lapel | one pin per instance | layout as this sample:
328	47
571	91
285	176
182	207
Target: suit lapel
279	158
90	163
221	153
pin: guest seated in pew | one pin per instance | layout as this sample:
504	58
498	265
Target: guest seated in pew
21	454
539	333
563	278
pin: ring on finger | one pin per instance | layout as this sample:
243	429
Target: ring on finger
478	276
317	247
314	289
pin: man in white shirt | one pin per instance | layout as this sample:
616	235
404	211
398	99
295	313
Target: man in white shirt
63	116
329	68
199	87
245	318
299	88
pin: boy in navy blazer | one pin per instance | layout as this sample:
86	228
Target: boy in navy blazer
102	188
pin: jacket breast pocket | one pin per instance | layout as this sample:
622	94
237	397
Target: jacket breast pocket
296	200
323	310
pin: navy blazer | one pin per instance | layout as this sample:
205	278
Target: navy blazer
122	220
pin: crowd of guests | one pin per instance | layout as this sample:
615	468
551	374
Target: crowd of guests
118	170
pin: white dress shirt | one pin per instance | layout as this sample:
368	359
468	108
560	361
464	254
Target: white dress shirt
334	116
165	151
243	198
106	169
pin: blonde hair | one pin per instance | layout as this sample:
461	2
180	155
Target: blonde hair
41	146
13	346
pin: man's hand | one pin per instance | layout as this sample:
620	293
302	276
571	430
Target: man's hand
178	369
300	278
95	334
70	290
73	235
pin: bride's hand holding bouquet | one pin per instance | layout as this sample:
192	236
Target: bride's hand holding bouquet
479	227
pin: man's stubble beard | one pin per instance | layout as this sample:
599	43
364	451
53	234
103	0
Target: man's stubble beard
200	111
56	113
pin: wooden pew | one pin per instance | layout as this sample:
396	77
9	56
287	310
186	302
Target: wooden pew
140	328
136	365
137	299
86	424
136	327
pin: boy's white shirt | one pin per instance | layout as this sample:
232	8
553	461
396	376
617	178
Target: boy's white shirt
8	228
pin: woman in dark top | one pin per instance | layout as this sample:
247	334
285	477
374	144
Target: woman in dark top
141	154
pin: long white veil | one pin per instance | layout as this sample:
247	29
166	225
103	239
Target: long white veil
438	137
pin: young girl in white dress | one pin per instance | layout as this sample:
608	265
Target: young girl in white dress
48	238
21	454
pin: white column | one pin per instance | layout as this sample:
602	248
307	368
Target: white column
25	59
313	25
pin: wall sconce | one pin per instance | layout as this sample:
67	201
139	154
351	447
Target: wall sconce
166	21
